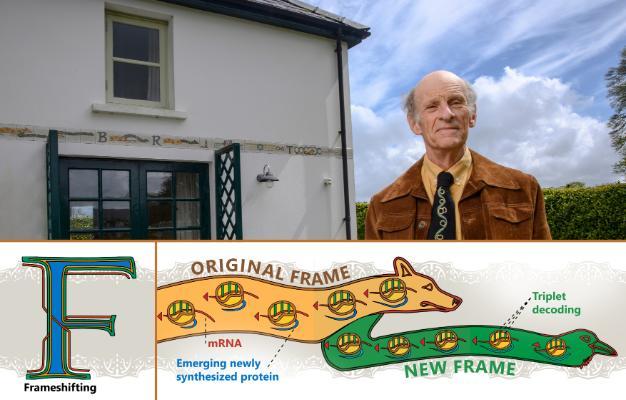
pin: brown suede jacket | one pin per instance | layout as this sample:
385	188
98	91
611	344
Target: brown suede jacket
498	203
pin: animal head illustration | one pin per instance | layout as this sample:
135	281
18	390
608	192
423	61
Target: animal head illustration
410	291
587	339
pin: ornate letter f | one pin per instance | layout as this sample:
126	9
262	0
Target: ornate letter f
57	344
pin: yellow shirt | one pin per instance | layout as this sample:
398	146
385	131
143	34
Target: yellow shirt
460	171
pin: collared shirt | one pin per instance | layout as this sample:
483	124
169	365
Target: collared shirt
461	172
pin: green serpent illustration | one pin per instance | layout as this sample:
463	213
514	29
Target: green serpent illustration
353	346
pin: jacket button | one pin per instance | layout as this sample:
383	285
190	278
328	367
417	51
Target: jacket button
421	225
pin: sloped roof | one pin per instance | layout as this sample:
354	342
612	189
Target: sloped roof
291	14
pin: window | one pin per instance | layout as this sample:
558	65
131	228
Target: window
136	59
121	199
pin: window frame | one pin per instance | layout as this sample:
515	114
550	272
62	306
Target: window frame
163	64
139	218
203	199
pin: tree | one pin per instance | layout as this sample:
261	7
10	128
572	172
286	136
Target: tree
616	85
574	185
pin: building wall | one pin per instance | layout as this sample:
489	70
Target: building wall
22	190
235	79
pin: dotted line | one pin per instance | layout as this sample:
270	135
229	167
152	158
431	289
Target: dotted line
205	318
280	348
509	322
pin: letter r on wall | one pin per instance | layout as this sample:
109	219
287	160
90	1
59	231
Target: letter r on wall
56	345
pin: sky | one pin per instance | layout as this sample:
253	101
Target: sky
537	66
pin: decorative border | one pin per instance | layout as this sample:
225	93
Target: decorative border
117	366
37	133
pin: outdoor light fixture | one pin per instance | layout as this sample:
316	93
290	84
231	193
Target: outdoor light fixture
267	176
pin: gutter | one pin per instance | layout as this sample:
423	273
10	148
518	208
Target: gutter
267	14
342	132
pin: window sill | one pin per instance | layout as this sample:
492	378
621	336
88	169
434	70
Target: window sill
137	110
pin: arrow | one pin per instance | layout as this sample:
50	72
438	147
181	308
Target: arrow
206	296
474	340
160	316
377	347
423	341
367	293
256	316
316	305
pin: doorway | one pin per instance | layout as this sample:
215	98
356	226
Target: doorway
132	199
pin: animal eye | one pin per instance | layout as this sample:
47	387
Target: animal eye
585	338
428	287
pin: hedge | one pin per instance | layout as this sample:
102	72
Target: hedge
576	213
587	213
361	210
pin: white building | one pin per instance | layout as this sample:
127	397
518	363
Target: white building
140	94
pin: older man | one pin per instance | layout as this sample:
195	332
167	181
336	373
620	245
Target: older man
453	192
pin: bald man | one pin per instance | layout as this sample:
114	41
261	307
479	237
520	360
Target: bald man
453	192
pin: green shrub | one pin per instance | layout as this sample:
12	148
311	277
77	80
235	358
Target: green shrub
597	213
575	213
361	210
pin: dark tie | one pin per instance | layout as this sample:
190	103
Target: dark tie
442	223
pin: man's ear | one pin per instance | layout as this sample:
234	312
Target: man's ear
413	124
472	121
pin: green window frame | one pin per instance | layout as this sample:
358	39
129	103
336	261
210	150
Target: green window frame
133	199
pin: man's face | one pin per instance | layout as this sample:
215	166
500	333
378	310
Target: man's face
443	113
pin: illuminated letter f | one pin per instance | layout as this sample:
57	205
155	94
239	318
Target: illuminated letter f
56	346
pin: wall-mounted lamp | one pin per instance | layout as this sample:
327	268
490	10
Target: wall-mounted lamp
267	176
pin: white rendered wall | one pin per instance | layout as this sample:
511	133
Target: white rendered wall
23	190
234	78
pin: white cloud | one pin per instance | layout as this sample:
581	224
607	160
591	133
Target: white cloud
525	122
530	123
384	147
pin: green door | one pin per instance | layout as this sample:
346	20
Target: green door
128	199
228	224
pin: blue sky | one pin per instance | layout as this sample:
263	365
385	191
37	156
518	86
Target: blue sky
538	68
